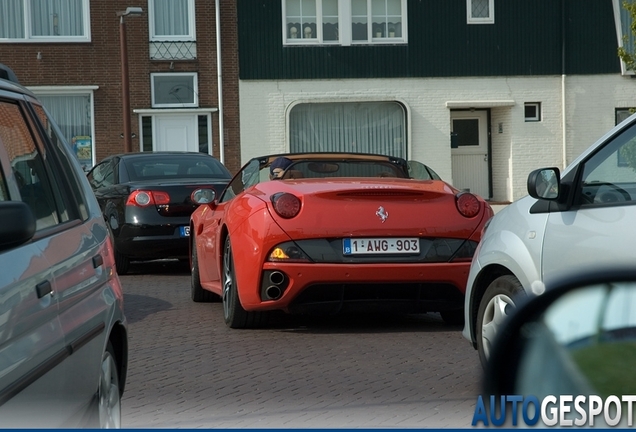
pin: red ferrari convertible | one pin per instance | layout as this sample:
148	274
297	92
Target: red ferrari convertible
334	232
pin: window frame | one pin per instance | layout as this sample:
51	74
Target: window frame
195	90
490	19
537	106
191	36
345	16
73	91
28	36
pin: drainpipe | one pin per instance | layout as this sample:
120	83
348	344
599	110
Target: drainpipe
563	104
219	80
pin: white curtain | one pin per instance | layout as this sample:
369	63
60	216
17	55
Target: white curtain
171	18
71	113
57	18
369	127
11	19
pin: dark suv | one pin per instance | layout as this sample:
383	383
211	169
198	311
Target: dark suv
63	338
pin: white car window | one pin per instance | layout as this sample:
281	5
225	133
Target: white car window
610	175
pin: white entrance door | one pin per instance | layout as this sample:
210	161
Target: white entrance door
175	132
470	158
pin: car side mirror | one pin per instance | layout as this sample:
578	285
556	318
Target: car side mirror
578	338
544	183
18	224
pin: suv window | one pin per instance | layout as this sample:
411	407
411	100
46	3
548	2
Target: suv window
33	181
66	161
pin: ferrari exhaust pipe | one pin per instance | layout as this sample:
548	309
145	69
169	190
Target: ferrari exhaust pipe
273	292
276	278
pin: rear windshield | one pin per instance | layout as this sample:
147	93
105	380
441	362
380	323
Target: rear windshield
350	168
175	166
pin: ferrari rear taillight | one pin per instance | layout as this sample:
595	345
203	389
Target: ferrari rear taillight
141	198
286	205
467	204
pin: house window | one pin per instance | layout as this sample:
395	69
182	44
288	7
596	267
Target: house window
361	127
172	29
532	111
176	90
620	115
73	113
344	22
480	11
44	21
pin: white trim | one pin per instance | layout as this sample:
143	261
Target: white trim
479	104
344	27
537	107
195	89
29	38
144	111
617	5
488	20
73	90
62	89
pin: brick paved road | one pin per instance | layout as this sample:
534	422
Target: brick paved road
188	370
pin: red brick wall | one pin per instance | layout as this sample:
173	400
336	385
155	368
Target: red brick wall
98	63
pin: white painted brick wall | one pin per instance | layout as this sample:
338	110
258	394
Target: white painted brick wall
520	147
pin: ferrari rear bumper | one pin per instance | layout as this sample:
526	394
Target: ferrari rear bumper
333	288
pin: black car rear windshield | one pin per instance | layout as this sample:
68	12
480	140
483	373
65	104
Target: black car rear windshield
175	166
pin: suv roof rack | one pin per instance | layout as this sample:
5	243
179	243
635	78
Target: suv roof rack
7	73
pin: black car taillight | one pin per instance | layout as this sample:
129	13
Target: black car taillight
142	198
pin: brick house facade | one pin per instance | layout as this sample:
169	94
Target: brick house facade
92	67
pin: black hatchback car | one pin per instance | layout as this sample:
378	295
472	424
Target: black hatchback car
147	200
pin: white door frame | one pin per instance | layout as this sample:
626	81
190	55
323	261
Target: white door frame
194	112
471	163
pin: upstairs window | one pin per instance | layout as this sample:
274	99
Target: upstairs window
172	29
44	21
344	22
480	11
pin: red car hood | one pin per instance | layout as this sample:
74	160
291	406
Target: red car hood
354	208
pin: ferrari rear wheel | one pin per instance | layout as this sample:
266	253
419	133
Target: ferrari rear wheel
235	316
197	292
453	317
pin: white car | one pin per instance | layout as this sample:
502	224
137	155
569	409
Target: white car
582	218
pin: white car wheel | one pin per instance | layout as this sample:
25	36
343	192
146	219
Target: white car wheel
495	307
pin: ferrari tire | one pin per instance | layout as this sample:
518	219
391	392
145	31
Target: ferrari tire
122	262
499	301
197	292
235	316
453	317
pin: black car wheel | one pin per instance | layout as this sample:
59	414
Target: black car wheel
197	292
122	262
495	306
235	316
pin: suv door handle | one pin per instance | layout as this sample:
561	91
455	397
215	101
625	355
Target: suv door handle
43	288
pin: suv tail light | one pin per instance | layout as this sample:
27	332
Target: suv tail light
142	198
